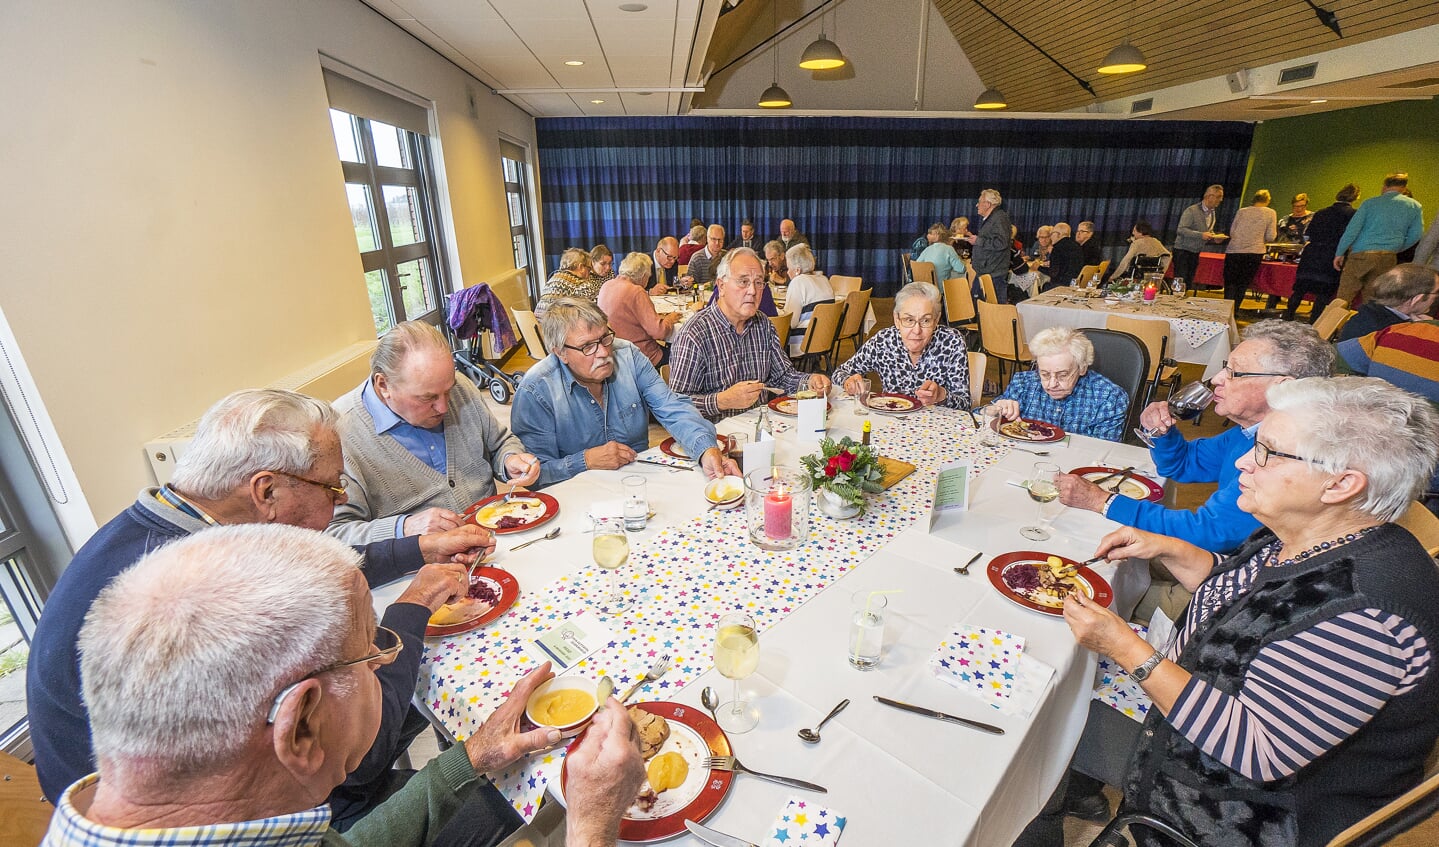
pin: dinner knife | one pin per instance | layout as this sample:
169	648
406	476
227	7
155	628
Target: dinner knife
1121	474
689	466
718	839
931	713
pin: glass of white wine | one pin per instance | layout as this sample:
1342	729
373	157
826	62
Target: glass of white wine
1044	491
611	550
736	657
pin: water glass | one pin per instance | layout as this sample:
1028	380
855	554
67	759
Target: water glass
989	429
637	504
1177	286
866	629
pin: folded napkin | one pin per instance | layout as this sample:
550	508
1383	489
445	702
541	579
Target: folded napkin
990	664
656	456
1116	689
804	822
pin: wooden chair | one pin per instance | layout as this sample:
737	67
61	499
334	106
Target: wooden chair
781	326
1422	524
1002	335
986	287
1089	272
684	269
1156	335
1333	319
923	272
1387	824
905	274
959	304
24	814
529	327
1103	268
819	336
856	306
843	285
977	364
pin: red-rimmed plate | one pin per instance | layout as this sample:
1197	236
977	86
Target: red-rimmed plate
894	404
788	405
695	736
1006	575
1029	431
533	507
671	447
484	583
1134	486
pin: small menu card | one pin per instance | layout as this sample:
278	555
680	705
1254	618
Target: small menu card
951	490
569	642
811	419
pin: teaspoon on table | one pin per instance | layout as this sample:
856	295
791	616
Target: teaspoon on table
811	736
964	571
546	537
710	700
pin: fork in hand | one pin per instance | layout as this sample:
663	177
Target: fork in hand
730	763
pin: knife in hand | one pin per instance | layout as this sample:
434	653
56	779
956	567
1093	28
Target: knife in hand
718	839
931	713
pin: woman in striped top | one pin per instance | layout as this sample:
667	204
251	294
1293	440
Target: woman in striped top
1299	694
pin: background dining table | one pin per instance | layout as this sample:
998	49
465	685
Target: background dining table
896	777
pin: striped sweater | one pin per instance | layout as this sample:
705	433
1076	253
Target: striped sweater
1405	354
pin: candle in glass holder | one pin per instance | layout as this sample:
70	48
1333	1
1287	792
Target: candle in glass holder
778	513
1150	291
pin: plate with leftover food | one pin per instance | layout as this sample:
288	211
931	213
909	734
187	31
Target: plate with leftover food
492	592
1041	581
894	404
1024	429
788	404
525	510
1131	485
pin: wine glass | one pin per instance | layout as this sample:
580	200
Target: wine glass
611	550
1185	404
1043	490
1177	286
736	657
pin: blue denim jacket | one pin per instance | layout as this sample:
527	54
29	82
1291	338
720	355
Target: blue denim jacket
558	419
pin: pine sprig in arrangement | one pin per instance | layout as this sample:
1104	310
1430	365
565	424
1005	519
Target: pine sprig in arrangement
846	468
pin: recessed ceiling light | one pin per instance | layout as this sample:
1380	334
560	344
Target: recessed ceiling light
633	7
574	63
1318	101
644	93
597	102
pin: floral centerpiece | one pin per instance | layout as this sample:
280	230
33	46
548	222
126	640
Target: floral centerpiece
842	472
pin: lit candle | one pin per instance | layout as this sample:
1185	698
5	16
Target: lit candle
778	513
1150	291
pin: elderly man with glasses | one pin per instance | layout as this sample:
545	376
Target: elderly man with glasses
1271	352
233	729
587	404
666	277
259	456
727	355
917	356
421	446
1062	390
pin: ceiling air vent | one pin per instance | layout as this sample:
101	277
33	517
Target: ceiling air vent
1414	83
1141	105
1298	73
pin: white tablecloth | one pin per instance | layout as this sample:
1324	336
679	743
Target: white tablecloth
898	778
1203	328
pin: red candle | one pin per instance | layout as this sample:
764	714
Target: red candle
1150	291
778	513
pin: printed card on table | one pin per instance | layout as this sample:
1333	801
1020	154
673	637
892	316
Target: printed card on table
568	643
951	490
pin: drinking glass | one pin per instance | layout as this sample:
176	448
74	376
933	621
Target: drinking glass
1043	490
736	657
1184	404
611	550
637	504
989	429
1177	286
866	629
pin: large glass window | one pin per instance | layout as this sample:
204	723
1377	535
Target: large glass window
517	199
390	188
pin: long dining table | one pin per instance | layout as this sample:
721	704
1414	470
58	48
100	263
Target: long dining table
896	777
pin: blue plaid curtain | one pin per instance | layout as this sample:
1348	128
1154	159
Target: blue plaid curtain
862	189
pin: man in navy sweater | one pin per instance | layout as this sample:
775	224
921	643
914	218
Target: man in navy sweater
1272	351
259	456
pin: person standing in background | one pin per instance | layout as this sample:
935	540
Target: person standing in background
1196	232
1253	227
1381	228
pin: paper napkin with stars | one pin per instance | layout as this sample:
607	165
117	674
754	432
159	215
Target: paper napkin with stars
1117	690
990	664
803	822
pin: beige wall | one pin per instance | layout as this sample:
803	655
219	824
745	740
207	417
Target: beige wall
175	225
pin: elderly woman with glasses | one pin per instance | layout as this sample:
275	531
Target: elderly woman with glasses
1299	694
1062	390
917	356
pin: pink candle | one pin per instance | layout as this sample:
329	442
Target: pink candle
778	514
1150	291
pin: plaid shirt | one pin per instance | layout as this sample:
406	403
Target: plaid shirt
944	360
68	828
709	356
1095	407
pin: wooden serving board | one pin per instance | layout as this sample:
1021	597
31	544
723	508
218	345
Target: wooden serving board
894	471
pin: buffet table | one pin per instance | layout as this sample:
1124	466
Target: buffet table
898	778
1274	278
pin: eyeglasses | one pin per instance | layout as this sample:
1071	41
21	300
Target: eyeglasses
1233	374
746	282
336	491
381	657
589	347
668	254
1057	376
910	321
1263	451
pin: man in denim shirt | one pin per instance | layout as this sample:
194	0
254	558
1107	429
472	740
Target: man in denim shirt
587	404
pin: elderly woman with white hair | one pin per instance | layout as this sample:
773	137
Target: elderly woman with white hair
1300	693
807	288
917	356
1062	390
575	278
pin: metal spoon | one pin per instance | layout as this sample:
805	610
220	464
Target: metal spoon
811	736
710	700
964	571
604	689
546	537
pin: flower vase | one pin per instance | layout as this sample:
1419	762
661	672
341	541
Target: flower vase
835	506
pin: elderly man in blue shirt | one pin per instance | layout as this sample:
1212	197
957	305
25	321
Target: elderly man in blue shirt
587	405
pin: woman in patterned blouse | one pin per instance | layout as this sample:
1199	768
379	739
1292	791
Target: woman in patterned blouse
575	278
916	356
1062	390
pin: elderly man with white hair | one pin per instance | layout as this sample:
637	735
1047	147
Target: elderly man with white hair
259	456
702	263
918	356
232	679
807	288
1066	257
992	242
421	446
1062	390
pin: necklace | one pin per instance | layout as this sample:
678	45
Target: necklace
1317	548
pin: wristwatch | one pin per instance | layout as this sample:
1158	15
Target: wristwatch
1142	672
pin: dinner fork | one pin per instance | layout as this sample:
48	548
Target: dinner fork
1027	450
730	763
657	670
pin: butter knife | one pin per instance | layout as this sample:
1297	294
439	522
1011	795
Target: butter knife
718	839
931	713
690	466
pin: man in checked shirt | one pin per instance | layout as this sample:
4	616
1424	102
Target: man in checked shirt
726	355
